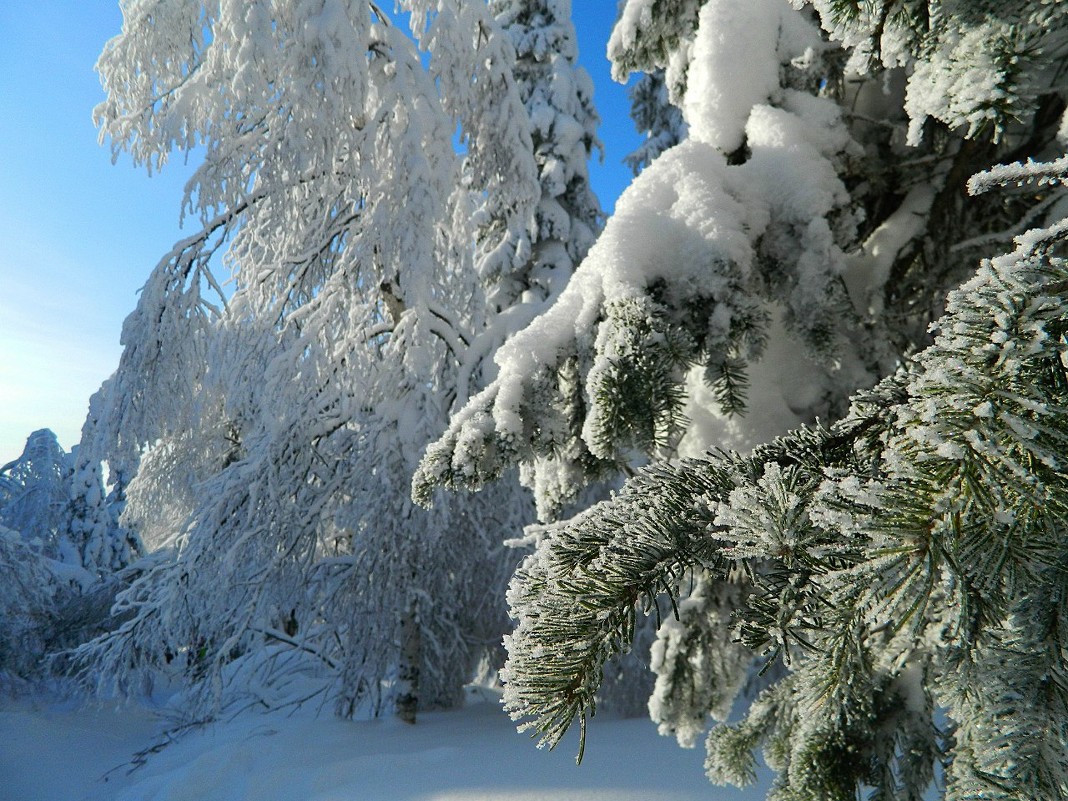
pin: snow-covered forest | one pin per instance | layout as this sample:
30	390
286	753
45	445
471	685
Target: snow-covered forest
774	454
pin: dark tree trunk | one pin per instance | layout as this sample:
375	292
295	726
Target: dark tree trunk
411	659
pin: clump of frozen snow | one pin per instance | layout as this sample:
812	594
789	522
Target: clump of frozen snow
735	66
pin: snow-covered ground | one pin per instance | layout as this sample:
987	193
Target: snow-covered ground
52	751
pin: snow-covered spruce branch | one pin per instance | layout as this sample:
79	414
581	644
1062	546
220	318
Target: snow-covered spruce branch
907	570
984	243
576	597
1041	173
555	658
833	281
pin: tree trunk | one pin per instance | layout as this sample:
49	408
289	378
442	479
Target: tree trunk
411	658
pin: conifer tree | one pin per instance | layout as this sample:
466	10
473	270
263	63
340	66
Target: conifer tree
812	293
558	97
602	374
27	607
891	583
37	562
34	492
55	591
908	559
103	544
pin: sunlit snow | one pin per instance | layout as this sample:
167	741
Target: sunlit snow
470	755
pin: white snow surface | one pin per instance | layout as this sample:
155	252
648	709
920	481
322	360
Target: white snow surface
59	752
735	67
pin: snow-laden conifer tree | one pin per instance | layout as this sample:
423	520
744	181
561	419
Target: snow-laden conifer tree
713	285
34	492
704	261
271	427
536	216
103	545
900	571
907	560
54	594
557	93
558	97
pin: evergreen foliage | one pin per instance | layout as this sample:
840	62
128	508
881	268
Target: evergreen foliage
53	593
654	116
910	557
795	298
889	585
26	605
34	491
558	97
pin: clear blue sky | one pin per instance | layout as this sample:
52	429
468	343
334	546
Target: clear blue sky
79	235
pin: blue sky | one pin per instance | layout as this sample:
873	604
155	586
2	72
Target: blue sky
79	235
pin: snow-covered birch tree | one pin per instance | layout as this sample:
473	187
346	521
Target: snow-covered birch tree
270	428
